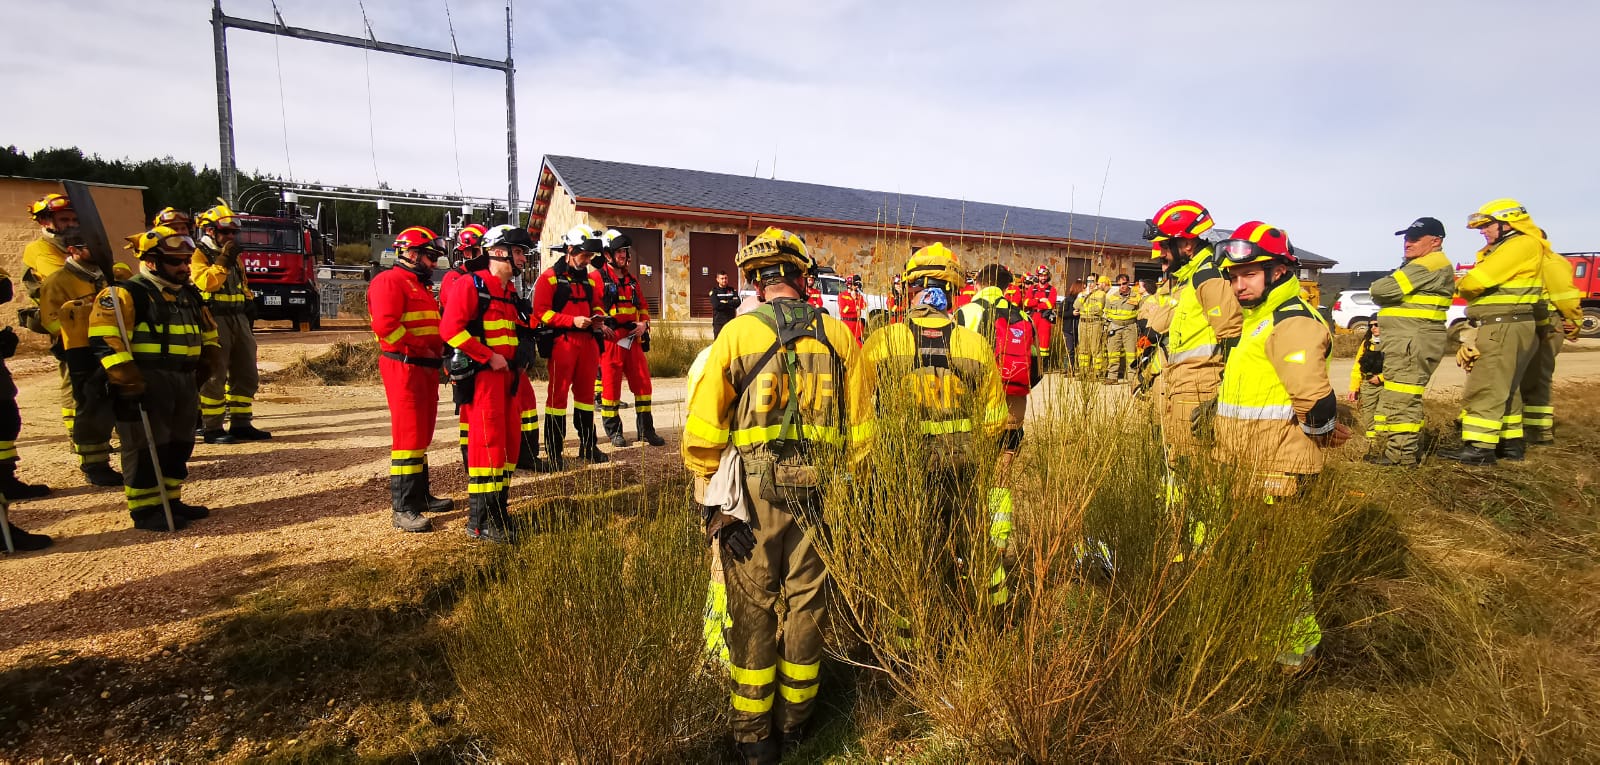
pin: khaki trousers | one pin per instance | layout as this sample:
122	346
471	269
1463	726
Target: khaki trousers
231	389
1491	409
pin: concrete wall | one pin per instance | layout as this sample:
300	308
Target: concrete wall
877	256
121	210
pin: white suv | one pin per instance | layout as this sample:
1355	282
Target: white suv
1354	309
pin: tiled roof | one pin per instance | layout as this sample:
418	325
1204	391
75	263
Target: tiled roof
593	179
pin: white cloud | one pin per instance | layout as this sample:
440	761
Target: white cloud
1339	121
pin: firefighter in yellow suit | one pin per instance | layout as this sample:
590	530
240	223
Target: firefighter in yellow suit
1504	292
1276	409
773	390
156	340
90	422
221	279
938	378
1090	307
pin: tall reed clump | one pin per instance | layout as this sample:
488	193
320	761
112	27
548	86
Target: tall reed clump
1122	637
672	350
584	644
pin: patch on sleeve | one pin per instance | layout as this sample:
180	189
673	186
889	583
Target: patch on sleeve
1215	311
1298	357
108	301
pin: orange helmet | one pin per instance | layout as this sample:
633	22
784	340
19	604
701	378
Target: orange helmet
1257	242
1183	219
469	236
419	238
48	205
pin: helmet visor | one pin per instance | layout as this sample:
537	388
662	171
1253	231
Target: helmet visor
1478	220
226	223
1151	233
177	243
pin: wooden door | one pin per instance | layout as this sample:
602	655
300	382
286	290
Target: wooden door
647	264
708	254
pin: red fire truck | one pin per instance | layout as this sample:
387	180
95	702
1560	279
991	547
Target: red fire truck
280	256
1588	283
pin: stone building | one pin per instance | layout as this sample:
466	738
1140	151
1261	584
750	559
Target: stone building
121	210
686	226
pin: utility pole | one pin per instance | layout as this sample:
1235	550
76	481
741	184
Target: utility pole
221	22
511	127
219	44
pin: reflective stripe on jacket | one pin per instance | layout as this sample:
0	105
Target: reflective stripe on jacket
1421	291
1273	378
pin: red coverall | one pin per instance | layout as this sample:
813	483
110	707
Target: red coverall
964	297
495	431
575	357
850	305
814	297
448	279
618	362
1040	298
405	317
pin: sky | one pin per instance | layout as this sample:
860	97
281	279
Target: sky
1337	121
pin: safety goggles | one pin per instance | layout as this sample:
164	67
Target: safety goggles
1241	251
433	250
226	223
1151	233
1478	220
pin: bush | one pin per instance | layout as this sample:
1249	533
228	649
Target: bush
671	350
352	254
585	645
344	363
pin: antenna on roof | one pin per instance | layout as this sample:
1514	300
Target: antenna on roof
774	161
757	173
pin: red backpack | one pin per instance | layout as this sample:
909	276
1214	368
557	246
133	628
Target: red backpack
1012	335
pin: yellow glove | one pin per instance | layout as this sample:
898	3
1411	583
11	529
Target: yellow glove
1468	353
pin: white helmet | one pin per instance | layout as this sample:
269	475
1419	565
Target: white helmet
581	238
506	236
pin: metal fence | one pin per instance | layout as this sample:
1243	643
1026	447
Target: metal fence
334	283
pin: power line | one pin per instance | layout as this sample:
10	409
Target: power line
283	112
366	63
455	135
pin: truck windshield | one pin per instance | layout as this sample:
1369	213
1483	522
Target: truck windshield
269	237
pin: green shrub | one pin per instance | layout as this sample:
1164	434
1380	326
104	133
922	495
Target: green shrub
671	350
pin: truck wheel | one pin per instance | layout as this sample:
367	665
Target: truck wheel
1589	324
316	321
1359	326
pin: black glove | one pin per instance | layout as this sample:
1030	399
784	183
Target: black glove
8	343
1050	315
7	291
738	541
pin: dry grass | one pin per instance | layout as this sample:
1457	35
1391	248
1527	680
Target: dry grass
344	363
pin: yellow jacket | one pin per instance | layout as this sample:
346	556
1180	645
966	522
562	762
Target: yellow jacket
750	417
940	373
45	256
1507	279
73	282
221	281
171	338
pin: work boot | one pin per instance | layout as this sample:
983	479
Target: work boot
218	436
488	534
188	512
26	542
13	489
153	519
244	431
1383	460
411	520
101	474
614	430
1470	454
1513	449
588	446
528	456
555	436
763	752
647	429
439	504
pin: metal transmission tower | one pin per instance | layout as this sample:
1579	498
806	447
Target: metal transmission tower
221	22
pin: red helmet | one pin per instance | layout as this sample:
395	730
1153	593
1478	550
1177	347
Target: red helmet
1183	219
1257	242
419	238
469	236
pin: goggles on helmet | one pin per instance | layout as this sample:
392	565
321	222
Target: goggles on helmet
432	249
1239	252
225	223
1479	220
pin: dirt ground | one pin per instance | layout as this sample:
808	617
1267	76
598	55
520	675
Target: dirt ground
313	496
311	501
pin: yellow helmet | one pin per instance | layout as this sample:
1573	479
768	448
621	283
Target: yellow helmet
169	216
1502	210
48	205
1105	281
160	240
767	256
936	263
219	217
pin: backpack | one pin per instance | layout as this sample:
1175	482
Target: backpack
1012	336
791	476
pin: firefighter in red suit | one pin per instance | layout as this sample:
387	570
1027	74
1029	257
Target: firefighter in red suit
851	304
468	257
1041	307
566	303
405	317
965	295
480	323
628	315
813	292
